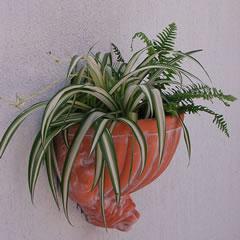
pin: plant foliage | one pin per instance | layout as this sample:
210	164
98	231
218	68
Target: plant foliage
101	92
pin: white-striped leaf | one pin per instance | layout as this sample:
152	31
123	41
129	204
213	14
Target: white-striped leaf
109	155
73	117
67	92
99	130
147	93
33	154
104	93
133	60
129	92
99	157
101	194
188	55
52	106
74	61
61	112
135	102
36	159
51	173
16	123
98	166
160	118
97	94
55	163
72	153
80	75
148	59
125	79
80	105
65	137
37	153
139	137
131	162
95	71
186	138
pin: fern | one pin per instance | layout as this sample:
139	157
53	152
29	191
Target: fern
197	91
143	37
165	45
218	118
117	53
166	38
181	99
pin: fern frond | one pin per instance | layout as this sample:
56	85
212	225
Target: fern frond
117	53
166	38
188	93
218	118
165	44
143	37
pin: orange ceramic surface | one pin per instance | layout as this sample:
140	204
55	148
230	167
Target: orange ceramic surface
120	216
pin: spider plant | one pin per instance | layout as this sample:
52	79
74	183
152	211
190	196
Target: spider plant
103	89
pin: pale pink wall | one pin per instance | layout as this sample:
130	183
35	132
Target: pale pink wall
196	203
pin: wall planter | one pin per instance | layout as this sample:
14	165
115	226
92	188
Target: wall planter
115	127
124	214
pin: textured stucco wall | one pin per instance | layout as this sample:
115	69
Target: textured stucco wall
200	202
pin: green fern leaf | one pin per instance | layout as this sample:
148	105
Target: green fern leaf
117	53
166	38
218	118
188	93
143	37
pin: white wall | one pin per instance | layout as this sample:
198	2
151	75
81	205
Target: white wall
200	202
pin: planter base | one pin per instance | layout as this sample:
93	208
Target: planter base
119	216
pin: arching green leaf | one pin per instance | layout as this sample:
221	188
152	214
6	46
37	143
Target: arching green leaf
16	123
160	117
140	138
51	175
109	155
72	153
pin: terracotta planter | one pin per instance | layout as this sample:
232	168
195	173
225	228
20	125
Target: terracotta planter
121	216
